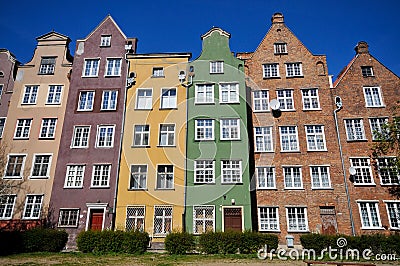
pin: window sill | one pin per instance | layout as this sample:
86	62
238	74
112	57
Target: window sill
309	110
298	231
28	104
322	188
325	150
287	110
79	147
137	189
278	77
290	77
43	138
380	106
73	187
267	188
261	111
294	188
143	109
38	177
272	231
12	177
204	183
390	185
198	103
46	74
230	102
89	76
108	110
67	226
372	228
357	140
21	138
97	147
298	151
263	151
137	146
364	184
84	110
230	139
157	76
168	189
29	218
231	183
112	76
204	140
105	187
168	108
216	73
166	146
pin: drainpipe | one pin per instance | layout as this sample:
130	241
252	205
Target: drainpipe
339	106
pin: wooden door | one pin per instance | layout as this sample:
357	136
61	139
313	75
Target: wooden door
96	220
233	219
328	219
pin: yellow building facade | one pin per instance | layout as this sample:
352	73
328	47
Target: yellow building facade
151	181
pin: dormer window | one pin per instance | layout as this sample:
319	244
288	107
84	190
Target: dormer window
217	67
47	65
105	41
367	71
158	72
280	48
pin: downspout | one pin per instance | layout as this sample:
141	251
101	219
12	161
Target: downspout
339	105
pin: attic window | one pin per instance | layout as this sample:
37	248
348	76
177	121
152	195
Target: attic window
367	71
158	72
47	65
1	74
105	41
280	48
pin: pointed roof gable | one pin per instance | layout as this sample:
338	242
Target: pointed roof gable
53	36
216	29
107	18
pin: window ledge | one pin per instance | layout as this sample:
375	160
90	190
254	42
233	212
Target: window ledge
263	151
230	139
12	177
372	228
298	231
157	76
390	185
24	104
267	188
293	188
38	177
272	77
290	77
380	106
364	184
357	140
137	146
43	138
324	150
21	138
137	189
143	109
298	151
112	76
168	108
231	183
211	103
322	188
204	140
216	73
309	110
261	111
167	189
204	183
105	187
73	187
79	147
287	110
89	76
229	102
166	146
272	231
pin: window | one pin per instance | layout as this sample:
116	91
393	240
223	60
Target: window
91	68
320	177
30	94
141	135
231	171
263	139
388	171
168	98
363	174
297	219
33	206
378	129
292	176
230	129
54	94
294	70
7	203
86	99
74	176
2	125
369	214
41	166
393	209
105	40
101	175
109	100
315	138
204	129
48	128
68	218
204	93
285	98
15	166
113	67
228	92
280	48
138	177
310	99
204	171
158	72
216	67
289	138
162	220
271	70
80	138
373	97
268	219
203	219
134	219
167	135
165	177
1	88
105	137
47	65
260	101
266	177
23	128
355	129
144	99
367	71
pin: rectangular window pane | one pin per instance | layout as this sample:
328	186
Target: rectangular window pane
203	219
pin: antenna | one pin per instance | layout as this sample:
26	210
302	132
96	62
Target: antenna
275	105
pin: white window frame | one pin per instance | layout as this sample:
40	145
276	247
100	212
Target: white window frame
207	90
136	217
270	221
71	176
284	100
203	219
271	70
101	180
396	216
142	135
280	48
137	176
35	205
260	100
2	125
377	124
41	164
314	138
54	94
105	41
71	214
294	69
288	137
391	169
107	103
362	170
161	183
204	128
310	99
21	172
319	177
163	218
75	136
25	128
106	136
148	100
263	139
367	71
291	177
229	171
168	101
296	213
354	126
229	88
216	67
91	67
166	133
202	169
369	95
113	67
6	206
231	129
158	72
369	204
48	128
265	176
88	103
47	65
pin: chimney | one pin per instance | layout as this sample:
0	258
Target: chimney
362	48
277	18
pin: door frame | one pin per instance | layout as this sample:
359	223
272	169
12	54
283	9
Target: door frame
96	206
232	207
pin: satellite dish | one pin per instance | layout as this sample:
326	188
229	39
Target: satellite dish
352	170
275	104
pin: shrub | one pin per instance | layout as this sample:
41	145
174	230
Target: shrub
179	243
44	240
11	242
210	242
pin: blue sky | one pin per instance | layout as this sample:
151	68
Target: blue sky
325	27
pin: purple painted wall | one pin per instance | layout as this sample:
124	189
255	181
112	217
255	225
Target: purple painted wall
8	67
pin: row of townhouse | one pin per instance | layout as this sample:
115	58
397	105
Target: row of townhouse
114	139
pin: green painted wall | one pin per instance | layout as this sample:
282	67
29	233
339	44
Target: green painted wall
216	48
